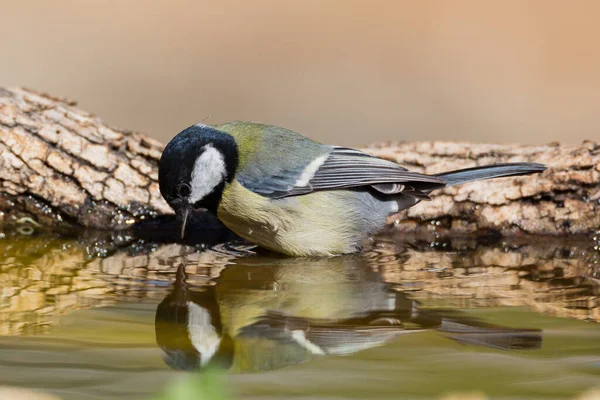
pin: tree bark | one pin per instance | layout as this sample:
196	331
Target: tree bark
564	200
63	166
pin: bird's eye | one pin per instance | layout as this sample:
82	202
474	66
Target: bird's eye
184	190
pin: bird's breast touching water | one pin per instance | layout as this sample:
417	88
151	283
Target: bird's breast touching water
306	225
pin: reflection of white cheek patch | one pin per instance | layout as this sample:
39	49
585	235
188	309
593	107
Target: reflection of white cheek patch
209	171
203	335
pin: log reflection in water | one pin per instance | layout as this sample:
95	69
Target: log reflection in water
47	276
552	276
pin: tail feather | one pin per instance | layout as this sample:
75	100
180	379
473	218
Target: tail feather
496	337
490	171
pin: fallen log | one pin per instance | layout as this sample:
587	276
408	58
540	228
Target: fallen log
63	166
564	200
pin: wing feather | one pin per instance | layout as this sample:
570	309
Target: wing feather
346	168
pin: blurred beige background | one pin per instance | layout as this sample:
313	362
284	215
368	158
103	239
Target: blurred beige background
346	72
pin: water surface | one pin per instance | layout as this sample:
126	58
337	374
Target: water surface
413	317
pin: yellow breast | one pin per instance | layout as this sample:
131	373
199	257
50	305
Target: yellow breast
307	225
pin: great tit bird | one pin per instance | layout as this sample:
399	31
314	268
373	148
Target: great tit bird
293	195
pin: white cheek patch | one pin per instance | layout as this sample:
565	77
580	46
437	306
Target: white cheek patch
310	171
203	334
209	171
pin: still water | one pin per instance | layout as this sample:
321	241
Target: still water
101	317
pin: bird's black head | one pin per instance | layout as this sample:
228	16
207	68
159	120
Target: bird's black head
194	168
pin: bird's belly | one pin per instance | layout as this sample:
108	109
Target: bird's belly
316	224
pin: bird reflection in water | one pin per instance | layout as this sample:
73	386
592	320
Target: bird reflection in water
273	312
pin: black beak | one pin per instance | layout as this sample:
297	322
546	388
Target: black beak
183	214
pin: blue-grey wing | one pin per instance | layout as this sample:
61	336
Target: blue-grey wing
343	168
347	168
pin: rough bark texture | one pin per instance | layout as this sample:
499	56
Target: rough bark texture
563	200
60	164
